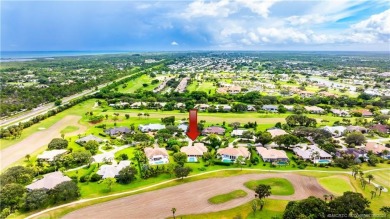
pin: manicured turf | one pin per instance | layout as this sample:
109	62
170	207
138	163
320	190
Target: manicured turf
336	184
69	129
382	178
227	197
279	186
272	208
136	84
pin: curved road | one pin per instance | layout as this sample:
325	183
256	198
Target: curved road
191	198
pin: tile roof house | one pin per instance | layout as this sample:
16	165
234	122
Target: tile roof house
138	105
151	127
339	112
353	128
196	150
375	147
88	138
336	131
313	153
380	128
271	108
365	112
213	130
233	153
49	181
50	155
314	109
112	170
270	155
238	132
117	131
157	155
353	151
202	107
276	132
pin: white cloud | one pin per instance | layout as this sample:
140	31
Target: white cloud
258	7
377	25
174	43
308	19
200	8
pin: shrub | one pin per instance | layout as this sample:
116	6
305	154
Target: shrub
95	177
58	143
83	178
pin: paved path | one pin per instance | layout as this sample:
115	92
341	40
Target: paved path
192	197
35	141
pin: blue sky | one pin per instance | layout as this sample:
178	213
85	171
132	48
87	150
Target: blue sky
195	25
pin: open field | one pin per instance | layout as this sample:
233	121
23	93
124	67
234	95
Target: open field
32	143
194	194
69	129
279	186
382	178
136	84
218	199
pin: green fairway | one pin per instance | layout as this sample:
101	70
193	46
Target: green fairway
336	184
272	208
69	129
279	186
227	197
382	178
136	84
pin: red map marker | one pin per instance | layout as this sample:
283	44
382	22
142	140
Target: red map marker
193	132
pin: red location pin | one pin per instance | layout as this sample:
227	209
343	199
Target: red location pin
193	132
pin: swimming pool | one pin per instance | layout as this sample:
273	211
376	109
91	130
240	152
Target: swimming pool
282	163
323	161
159	162
192	159
226	160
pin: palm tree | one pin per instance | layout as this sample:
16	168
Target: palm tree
331	196
355	171
146	114
262	203
139	115
372	194
380	190
254	206
27	157
370	177
326	197
173	212
361	174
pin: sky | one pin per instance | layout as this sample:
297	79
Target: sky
259	25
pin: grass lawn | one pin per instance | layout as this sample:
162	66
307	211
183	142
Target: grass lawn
227	197
137	84
272	208
69	129
382	178
279	186
337	184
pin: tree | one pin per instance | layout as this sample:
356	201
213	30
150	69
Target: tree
17	174
92	146
385	210
58	103
127	116
300	120
170	120
180	158
36	199
214	141
65	191
382	119
380	190
355	138
370	177
286	140
173	212
326	197
58	143
207	156
311	207
247	135
109	181
27	157
263	137
373	193
350	202
11	195
372	160
239	161
127	174
181	171
263	191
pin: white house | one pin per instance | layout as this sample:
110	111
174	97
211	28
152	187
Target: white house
49	181
313	153
230	155
276	132
314	109
50	155
157	155
336	131
151	127
270	108
112	170
270	155
237	132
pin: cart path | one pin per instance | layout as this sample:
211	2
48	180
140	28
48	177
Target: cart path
191	198
35	141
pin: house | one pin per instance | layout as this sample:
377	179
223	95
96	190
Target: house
180	105
238	132
194	152
137	105
213	130
88	138
276	132
314	109
326	94
50	155
385	111
230	155
365	112
336	131
306	94
376	148
338	112
150	127
251	108
49	181
271	155
229	89
353	128
183	127
202	107
380	128
314	154
270	108
117	131
289	107
357	153
157	155
111	171
225	108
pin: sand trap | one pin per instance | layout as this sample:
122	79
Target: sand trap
191	198
35	141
